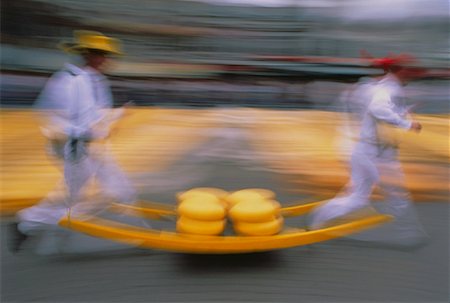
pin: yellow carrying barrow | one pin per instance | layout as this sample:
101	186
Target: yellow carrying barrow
213	244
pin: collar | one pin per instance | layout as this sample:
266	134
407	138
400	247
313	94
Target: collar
391	79
73	69
93	73
76	70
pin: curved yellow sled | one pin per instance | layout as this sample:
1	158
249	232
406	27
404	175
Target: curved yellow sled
172	241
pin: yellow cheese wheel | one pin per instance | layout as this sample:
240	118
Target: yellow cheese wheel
255	211
219	193
268	228
197	227
201	207
203	191
249	194
191	194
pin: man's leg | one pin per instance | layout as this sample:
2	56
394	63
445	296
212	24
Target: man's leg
114	182
407	227
364	175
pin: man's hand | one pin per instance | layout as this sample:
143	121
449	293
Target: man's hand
410	109
129	104
416	127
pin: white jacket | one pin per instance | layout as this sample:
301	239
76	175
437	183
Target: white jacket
77	104
388	106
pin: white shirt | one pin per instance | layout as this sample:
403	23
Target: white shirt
76	102
387	105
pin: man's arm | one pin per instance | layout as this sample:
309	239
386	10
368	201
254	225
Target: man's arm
381	107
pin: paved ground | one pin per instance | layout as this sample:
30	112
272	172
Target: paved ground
334	271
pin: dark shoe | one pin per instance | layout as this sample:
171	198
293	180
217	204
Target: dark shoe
15	237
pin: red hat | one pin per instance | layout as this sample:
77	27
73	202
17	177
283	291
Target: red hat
384	63
387	63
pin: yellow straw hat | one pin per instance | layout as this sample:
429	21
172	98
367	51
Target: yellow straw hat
91	40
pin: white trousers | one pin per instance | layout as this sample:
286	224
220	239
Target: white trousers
370	166
96	165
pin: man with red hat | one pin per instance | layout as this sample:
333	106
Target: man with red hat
76	106
374	158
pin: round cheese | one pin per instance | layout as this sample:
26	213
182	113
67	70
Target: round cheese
255	210
201	207
268	228
197	227
249	194
203	191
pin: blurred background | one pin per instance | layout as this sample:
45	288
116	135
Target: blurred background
225	52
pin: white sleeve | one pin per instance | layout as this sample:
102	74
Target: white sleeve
106	98
58	105
382	108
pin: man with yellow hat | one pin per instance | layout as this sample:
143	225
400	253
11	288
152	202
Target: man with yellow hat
76	105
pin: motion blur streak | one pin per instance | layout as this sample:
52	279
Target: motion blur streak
305	146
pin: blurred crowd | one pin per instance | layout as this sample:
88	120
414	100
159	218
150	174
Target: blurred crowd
207	53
